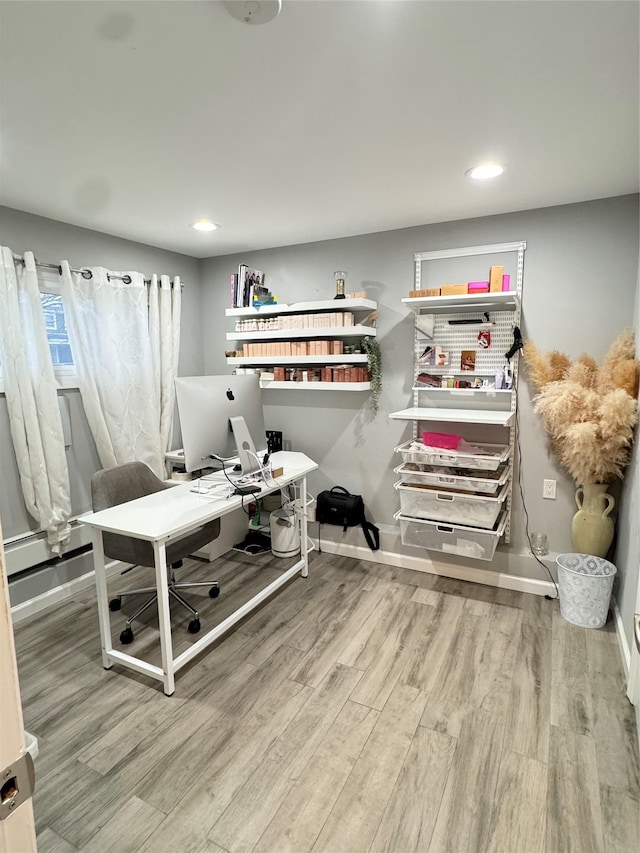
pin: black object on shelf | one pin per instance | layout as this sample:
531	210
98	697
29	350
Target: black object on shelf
253	543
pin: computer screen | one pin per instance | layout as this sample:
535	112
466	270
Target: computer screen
206	405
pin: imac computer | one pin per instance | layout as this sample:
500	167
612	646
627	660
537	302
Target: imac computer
221	417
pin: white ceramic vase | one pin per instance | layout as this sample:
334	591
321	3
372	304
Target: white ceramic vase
592	528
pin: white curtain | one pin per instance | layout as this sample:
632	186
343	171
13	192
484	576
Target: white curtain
32	400
165	300
108	326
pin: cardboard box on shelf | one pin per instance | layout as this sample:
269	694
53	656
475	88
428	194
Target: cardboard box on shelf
478	287
495	278
418	294
454	289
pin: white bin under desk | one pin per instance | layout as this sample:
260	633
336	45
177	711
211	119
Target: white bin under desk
489	482
470	510
491	460
451	539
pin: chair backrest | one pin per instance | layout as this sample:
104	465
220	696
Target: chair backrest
113	486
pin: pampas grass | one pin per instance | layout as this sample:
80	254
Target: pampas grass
588	411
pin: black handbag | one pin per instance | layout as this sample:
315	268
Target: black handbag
338	506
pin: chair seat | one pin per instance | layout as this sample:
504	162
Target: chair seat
140	553
114	486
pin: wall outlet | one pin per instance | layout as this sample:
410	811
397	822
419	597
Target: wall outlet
549	490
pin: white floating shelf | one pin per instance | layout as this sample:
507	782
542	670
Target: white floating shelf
461	416
360	304
315	386
326	332
477	302
298	359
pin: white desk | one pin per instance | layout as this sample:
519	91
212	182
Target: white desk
168	515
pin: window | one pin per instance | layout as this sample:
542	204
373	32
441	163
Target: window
55	323
56	326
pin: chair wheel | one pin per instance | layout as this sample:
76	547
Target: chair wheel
194	626
115	603
214	592
126	636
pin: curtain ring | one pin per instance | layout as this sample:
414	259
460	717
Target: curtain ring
126	279
87	274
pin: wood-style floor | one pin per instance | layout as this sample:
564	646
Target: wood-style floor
363	709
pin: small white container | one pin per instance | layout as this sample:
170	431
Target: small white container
285	533
451	539
470	510
487	485
494	456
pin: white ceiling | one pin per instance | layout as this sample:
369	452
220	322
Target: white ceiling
335	119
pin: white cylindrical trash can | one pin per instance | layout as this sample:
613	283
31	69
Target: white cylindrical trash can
584	586
285	534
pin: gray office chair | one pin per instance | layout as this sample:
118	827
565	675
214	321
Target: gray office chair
113	486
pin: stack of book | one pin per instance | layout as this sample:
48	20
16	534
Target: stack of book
248	288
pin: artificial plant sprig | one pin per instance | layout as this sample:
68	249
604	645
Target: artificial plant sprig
589	411
374	363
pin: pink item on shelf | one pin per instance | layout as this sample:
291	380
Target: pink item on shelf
441	439
506	282
478	287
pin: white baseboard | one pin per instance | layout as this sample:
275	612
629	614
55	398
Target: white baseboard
623	645
457	572
58	594
465	573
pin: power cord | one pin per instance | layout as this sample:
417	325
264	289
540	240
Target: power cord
526	514
234	485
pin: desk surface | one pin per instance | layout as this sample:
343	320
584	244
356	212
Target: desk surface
168	513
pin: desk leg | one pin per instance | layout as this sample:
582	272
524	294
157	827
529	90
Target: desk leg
164	616
304	551
102	596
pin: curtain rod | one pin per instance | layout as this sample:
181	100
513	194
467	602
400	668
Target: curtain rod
85	273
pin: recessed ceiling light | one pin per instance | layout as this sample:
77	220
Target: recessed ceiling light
253	11
486	171
205	225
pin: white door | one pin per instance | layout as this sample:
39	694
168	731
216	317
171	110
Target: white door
17	830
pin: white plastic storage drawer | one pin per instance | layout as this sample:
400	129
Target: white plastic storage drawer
471	510
489	484
494	455
451	539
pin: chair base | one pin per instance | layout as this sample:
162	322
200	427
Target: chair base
194	626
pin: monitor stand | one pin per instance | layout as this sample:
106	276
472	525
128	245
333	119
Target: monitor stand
245	447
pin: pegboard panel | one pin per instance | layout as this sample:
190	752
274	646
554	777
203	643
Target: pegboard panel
452	340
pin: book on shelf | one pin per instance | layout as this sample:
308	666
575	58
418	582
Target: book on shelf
427	380
248	281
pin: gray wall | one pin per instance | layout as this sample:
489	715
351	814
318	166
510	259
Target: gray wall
581	268
580	283
53	241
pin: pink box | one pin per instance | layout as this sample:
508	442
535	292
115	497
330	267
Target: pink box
506	282
441	439
478	287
